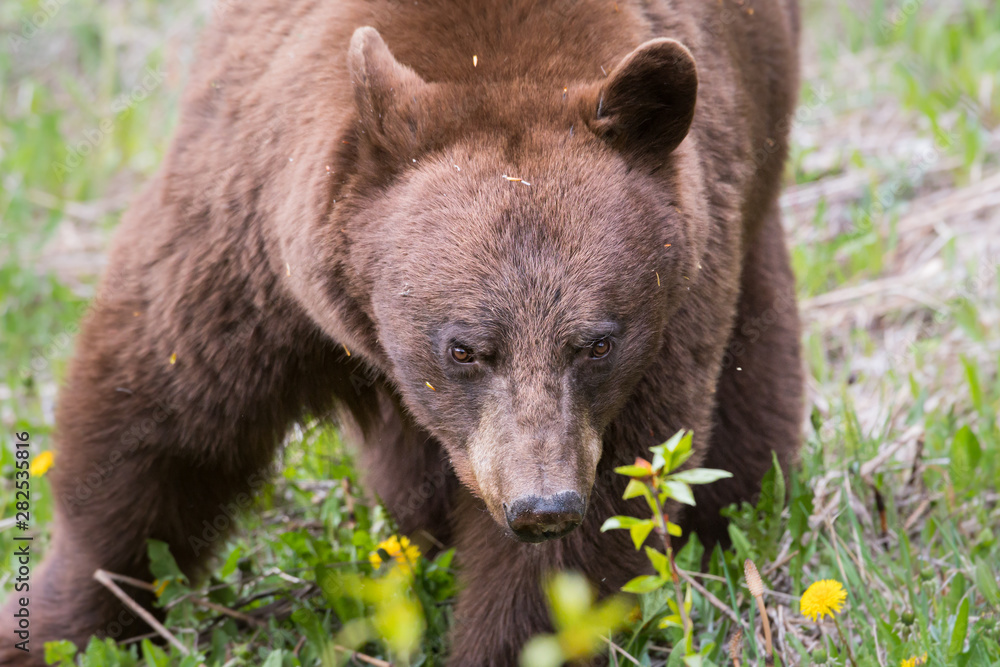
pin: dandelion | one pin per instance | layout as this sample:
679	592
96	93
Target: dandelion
914	661
823	598
398	549
826	598
41	464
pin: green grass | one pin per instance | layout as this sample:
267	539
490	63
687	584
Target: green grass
918	378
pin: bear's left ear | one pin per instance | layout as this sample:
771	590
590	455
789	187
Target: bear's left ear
646	105
387	93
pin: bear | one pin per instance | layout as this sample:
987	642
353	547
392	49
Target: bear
507	245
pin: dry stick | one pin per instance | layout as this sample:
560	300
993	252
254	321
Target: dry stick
619	650
716	602
106	579
238	615
362	657
778	563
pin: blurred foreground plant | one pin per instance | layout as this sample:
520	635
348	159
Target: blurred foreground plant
581	626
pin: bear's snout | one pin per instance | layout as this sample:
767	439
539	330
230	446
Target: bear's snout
540	518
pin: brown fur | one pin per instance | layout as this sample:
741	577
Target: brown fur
324	195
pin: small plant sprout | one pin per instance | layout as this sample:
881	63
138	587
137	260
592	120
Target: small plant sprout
756	586
826	598
736	647
656	482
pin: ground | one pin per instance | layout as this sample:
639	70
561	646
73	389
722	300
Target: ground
892	205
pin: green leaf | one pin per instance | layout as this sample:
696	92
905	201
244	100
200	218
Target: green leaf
640	532
965	454
679	491
987	583
645	583
542	651
165	571
660	561
617	522
700	475
162	563
671	445
275	659
330	583
635	489
975	388
61	653
633	471
960	630
660	460
674	530
653	603
570	598
231	562
739	540
679	460
670	454
154	655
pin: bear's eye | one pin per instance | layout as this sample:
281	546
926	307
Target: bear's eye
600	349
462	355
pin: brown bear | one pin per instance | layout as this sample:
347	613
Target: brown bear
510	244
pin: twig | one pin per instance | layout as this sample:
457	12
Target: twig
238	615
106	579
716	602
778	563
362	657
619	650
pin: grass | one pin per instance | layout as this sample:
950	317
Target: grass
891	206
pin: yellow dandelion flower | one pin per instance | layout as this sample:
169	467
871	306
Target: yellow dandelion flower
823	598
399	549
41	464
915	661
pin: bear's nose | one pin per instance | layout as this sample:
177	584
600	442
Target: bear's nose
540	518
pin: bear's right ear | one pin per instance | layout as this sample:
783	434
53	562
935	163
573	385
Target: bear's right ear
387	93
646	105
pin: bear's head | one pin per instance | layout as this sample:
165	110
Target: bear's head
524	249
